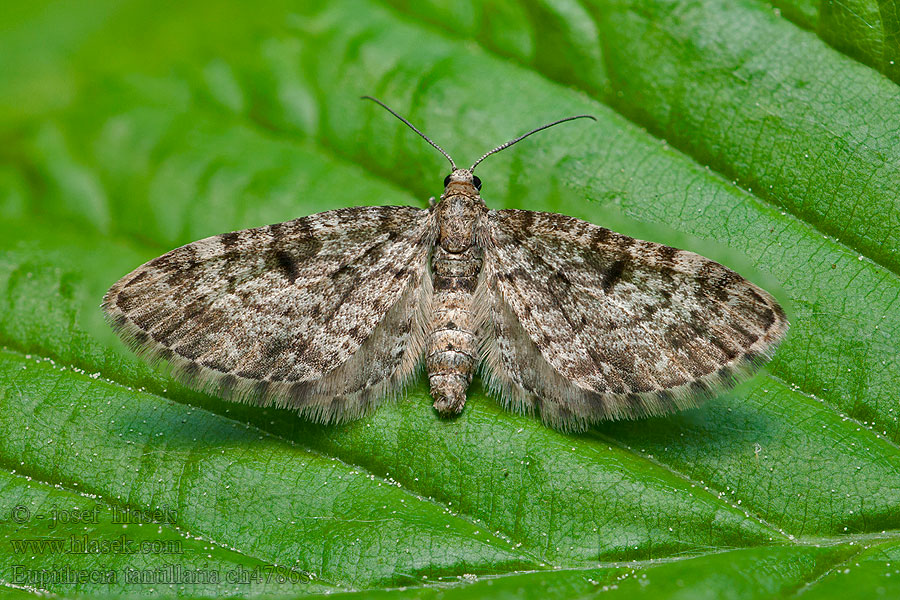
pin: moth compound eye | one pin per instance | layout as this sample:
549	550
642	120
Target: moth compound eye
477	182
446	181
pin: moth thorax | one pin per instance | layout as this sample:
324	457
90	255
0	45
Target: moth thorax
458	216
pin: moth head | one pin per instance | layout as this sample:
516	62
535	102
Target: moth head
463	177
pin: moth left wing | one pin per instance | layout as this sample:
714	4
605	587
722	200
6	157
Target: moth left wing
585	324
324	314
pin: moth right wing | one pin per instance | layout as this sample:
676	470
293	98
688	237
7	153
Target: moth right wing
584	324
324	314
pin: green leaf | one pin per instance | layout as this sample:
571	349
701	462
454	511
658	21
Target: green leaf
867	30
721	128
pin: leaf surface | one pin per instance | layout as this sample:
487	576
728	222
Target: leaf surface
721	128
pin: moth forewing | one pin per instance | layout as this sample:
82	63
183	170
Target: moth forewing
620	328
317	314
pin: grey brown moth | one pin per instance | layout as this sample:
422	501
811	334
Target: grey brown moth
331	313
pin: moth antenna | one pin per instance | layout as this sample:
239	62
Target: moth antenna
411	126
523	136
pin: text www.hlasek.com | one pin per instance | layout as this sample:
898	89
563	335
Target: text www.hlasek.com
83	544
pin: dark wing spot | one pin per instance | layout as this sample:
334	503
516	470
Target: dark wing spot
191	371
287	265
127	300
726	376
723	347
168	331
749	337
700	329
217	364
278	231
228	240
666	254
623	241
137	279
779	312
260	388
699	388
635	403
666	397
600	236
559	281
276	347
299	392
613	274
754	358
194	347
227	385
526	222
650	310
678	335
356	334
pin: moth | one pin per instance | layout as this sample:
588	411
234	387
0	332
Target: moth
332	313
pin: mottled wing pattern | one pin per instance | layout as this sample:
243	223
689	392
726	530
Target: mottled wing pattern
324	314
584	324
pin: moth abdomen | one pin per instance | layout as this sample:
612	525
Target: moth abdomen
450	369
451	352
451	347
